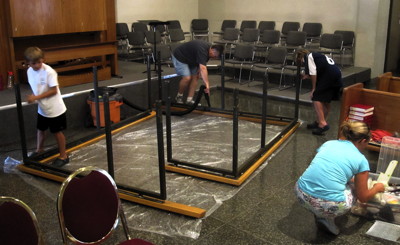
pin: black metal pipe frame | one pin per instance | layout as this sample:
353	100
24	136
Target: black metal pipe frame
235	132
96	97
159	75
222	81
168	123
107	124
149	106
161	159
237	171
21	122
298	78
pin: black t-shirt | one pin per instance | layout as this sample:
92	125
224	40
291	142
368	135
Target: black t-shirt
193	53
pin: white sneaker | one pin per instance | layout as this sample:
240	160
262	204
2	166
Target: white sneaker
329	223
179	99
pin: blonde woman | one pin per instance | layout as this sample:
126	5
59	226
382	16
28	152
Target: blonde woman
325	189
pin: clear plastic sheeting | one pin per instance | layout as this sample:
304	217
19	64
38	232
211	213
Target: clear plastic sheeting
196	138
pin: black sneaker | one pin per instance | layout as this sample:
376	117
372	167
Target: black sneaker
60	162
320	131
312	125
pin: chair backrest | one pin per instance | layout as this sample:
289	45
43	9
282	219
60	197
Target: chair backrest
231	34
228	24
276	55
290	26
348	37
176	35
161	28
199	25
18	223
88	207
122	30
139	26
136	38
266	25
312	29
244	52
250	35
270	37
174	24
331	41
296	38
248	24
150	37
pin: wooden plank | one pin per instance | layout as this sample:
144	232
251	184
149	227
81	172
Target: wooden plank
166	205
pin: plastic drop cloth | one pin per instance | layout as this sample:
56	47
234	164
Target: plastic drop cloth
195	138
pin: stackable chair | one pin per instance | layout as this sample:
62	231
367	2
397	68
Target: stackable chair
313	31
250	36
229	39
139	26
225	24
122	31
348	43
275	61
268	39
137	41
287	27
176	38
295	40
89	208
200	28
18	223
243	56
266	25
247	24
176	24
332	44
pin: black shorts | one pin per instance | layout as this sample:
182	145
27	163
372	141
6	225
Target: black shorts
326	95
55	124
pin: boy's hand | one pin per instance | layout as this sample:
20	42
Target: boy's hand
31	98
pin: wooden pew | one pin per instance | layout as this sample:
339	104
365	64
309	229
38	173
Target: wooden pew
386	112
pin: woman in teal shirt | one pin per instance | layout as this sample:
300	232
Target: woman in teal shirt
324	187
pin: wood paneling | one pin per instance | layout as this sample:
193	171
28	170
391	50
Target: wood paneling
48	17
64	29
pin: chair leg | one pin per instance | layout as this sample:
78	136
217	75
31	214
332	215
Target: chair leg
240	73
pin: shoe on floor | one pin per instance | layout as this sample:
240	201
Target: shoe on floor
320	131
60	162
312	125
179	99
329	224
192	102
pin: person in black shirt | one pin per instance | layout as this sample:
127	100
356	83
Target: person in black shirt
190	60
326	79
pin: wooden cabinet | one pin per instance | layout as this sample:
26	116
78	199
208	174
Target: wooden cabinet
74	34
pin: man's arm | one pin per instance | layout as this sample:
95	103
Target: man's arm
204	76
51	92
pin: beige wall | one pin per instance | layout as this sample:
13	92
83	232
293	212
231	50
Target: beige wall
129	11
368	18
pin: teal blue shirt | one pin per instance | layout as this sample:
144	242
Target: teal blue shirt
336	162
